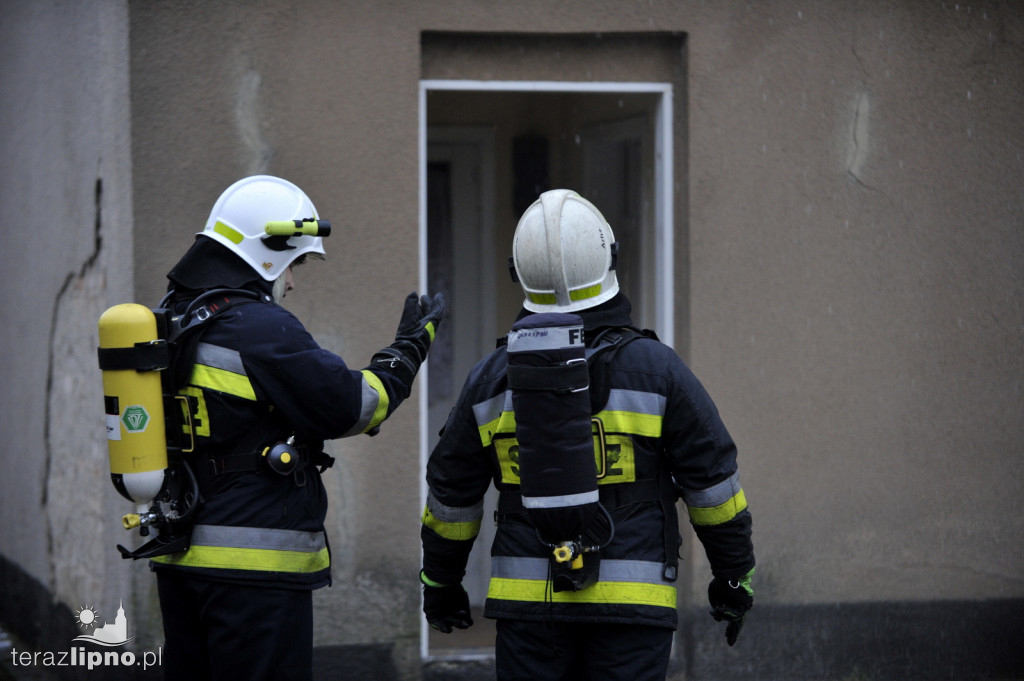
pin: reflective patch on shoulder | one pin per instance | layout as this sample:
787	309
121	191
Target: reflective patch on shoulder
636	401
219	358
494	416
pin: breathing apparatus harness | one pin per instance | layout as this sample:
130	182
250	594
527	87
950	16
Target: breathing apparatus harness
252	453
160	349
558	384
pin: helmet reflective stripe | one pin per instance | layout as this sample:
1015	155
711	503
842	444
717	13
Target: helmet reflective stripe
239	218
563	254
232	235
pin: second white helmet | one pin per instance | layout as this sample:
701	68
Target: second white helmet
564	253
239	218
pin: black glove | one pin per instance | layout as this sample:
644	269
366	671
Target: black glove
445	606
730	600
420	318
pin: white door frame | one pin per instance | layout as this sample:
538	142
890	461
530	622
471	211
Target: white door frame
663	209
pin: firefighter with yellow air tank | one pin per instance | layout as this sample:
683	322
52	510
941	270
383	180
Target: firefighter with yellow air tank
234	494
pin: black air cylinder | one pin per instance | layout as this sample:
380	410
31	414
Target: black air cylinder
548	376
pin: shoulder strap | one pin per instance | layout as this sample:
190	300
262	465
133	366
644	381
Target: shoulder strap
206	306
600	352
183	331
606	345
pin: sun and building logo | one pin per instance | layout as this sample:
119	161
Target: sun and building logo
110	634
97	631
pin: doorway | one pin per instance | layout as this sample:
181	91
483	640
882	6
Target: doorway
487	150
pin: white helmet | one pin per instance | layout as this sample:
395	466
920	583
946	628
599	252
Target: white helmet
240	216
564	254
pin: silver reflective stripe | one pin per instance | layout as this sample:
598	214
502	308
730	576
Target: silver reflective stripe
545	338
636	402
370	398
561	501
219	358
716	495
257	538
454	514
639	571
491	409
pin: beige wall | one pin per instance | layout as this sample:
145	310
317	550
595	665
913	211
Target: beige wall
66	243
848	257
857	290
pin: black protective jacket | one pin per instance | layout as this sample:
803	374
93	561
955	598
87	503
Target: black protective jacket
256	377
665	440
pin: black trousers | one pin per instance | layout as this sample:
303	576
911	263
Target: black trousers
567	651
217	631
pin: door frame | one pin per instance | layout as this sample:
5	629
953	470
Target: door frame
663	212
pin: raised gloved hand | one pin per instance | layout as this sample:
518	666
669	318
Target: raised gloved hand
446	606
730	600
420	318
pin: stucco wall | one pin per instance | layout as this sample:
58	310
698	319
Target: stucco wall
850	257
66	241
857	290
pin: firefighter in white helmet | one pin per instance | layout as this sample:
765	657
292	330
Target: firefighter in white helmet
264	396
661	439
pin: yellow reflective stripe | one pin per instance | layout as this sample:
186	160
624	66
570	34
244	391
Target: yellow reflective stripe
543	298
536	591
381	412
584	293
459	531
229	233
431	330
223	381
633	423
575	294
644	425
261	560
716	515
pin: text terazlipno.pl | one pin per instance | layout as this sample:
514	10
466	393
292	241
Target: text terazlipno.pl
80	657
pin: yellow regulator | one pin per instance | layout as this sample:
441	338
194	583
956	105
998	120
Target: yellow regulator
132	355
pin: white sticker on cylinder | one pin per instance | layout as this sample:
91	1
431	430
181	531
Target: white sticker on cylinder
113	427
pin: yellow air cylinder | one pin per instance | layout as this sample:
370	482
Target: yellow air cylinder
134	407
